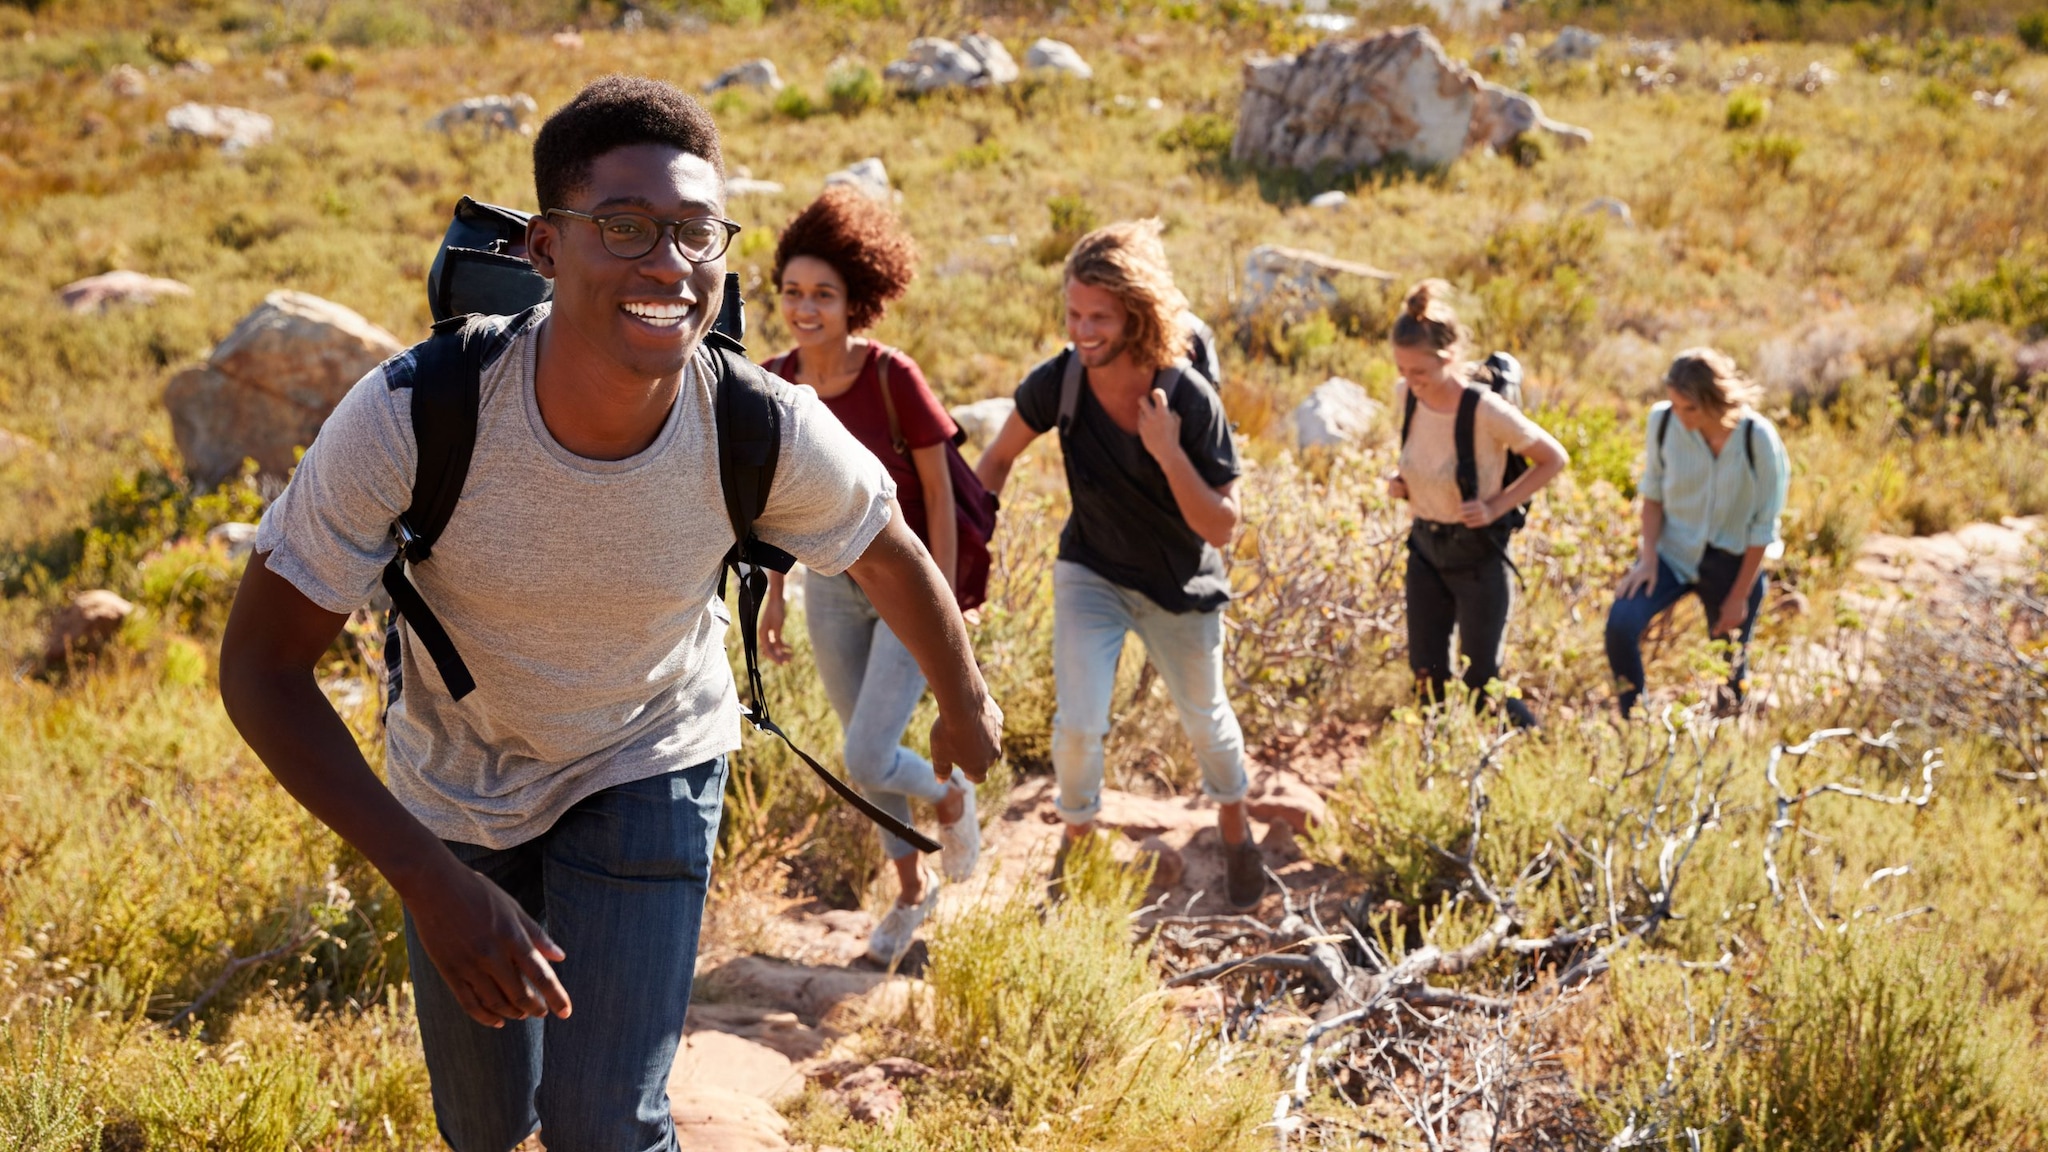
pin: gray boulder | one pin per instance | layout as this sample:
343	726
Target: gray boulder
1298	281
1356	103
867	175
234	129
96	294
976	61
1573	44
267	388
982	419
758	74
1338	412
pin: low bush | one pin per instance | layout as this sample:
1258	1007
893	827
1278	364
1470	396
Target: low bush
1746	109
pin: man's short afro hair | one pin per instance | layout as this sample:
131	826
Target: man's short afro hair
862	242
615	112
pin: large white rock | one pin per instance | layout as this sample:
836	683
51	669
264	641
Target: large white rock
1338	412
1298	281
493	113
112	289
1355	103
758	74
976	61
268	387
867	175
1047	55
982	419
994	59
234	129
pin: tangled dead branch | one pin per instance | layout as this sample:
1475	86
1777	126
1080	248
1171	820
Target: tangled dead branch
1465	1063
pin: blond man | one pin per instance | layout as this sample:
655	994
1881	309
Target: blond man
1153	477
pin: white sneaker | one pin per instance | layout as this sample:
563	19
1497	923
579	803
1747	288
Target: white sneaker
960	841
891	938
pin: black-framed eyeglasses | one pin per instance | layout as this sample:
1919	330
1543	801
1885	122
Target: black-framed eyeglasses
631	235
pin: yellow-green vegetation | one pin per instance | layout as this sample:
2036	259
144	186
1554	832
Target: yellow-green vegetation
189	961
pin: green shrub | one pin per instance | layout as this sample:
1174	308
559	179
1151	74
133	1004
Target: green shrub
379	24
1872	1039
1773	155
853	89
1940	95
2033	31
793	103
1746	109
2015	295
1204	135
320	58
1071	218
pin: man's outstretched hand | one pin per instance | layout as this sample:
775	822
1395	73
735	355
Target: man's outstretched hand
972	743
491	954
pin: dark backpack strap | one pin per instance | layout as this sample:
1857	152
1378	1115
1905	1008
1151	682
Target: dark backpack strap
1462	432
1070	389
1749	443
747	408
445	374
1407	416
1663	427
1167	380
896	440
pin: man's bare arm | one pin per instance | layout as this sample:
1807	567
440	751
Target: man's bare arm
994	466
493	956
912	598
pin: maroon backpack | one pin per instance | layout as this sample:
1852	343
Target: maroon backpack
974	507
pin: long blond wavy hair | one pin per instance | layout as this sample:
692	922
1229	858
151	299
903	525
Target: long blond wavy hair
1709	378
1128	260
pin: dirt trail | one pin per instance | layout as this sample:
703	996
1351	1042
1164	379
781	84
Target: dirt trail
765	1024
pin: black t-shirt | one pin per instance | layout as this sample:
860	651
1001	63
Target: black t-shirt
1125	526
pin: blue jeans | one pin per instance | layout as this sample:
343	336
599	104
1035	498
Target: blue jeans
874	684
1091	615
1632	614
619	883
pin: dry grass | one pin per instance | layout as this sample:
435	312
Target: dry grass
1874	250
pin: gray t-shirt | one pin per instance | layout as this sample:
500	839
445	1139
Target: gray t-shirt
580	592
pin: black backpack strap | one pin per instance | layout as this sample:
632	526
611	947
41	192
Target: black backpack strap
1462	432
1167	380
445	374
1070	389
1749	443
748	409
1407	416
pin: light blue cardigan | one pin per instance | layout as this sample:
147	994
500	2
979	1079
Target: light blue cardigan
1725	502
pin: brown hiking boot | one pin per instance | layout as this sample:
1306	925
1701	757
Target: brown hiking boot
1244	871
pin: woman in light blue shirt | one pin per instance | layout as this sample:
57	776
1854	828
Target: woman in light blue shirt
1714	479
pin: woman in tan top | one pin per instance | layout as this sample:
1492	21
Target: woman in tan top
1458	567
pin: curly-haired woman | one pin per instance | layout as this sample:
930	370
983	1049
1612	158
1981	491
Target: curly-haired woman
838	265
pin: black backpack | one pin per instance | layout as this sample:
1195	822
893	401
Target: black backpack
445	373
1502	373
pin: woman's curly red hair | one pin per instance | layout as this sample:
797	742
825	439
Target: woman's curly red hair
862	241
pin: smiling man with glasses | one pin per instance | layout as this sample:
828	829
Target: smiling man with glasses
551	830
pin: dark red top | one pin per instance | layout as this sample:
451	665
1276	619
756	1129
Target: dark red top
919	416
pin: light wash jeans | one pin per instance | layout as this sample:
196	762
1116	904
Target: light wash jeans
619	883
874	685
1090	617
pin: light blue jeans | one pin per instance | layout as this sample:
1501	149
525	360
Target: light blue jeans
874	684
1090	618
619	883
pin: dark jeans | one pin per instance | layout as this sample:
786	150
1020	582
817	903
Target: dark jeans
1632	614
1458	577
619	883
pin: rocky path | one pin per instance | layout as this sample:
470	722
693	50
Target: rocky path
764	1026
